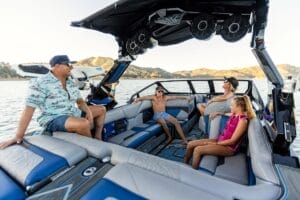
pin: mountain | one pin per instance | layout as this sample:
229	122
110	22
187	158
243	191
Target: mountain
132	71
147	72
154	73
243	72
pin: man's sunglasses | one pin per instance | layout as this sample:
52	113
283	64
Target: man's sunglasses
160	91
68	65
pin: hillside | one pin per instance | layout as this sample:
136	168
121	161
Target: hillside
147	72
132	71
245	72
135	72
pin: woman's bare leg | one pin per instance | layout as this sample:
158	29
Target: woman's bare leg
191	145
210	149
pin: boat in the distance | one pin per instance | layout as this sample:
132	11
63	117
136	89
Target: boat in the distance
80	74
134	161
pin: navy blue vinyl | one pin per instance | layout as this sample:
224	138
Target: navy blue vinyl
9	189
50	164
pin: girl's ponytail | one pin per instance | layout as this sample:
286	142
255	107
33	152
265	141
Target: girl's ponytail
248	107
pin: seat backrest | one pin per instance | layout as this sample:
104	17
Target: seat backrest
216	126
180	108
261	153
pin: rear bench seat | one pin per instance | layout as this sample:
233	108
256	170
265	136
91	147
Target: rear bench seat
233	168
131	125
240	167
34	161
144	176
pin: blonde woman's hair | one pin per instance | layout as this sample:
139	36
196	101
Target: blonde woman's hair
245	103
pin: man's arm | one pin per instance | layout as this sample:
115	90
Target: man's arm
84	107
177	97
23	124
220	98
150	97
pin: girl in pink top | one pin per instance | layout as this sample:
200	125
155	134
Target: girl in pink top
228	142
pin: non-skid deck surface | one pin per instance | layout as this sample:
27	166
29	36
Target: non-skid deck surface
176	150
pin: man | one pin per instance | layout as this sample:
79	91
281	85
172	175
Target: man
55	94
159	101
221	103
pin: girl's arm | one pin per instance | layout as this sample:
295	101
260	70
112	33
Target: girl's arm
238	133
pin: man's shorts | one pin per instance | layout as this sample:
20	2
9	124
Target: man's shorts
58	124
162	115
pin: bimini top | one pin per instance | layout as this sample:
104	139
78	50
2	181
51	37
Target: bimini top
138	25
134	22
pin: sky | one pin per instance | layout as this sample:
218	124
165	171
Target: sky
36	30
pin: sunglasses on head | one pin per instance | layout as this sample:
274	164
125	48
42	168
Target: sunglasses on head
226	81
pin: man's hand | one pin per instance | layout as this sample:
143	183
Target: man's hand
9	142
136	100
89	117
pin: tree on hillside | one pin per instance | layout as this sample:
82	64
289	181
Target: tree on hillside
6	71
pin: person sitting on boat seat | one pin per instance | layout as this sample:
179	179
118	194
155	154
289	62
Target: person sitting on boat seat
214	104
217	104
159	100
229	140
55	94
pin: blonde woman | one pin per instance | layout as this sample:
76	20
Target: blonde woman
229	140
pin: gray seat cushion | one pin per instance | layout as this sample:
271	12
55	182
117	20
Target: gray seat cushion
234	169
59	147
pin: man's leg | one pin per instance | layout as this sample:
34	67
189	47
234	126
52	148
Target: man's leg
99	117
166	129
78	125
179	130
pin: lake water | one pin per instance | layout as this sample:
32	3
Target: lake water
12	95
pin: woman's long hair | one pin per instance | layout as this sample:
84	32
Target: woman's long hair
245	103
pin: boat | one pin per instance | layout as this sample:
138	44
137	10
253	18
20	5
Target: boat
80	74
134	161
